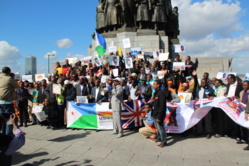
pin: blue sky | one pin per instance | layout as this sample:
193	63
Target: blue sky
32	28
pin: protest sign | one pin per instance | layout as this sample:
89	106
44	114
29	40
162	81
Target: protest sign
39	77
86	60
72	60
36	108
128	63
115	72
126	43
112	49
57	89
223	75
246	78
178	65
163	56
27	78
160	74
136	51
81	99
179	48
97	61
140	56
115	61
148	55
104	78
185	97
108	58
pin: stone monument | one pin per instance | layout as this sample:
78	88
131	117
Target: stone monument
150	24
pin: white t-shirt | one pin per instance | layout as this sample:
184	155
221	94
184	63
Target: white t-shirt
232	89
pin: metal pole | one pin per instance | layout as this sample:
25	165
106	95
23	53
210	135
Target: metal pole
48	63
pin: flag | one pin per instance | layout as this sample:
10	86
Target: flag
119	52
131	116
100	44
62	70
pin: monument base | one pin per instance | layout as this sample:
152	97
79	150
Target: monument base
149	40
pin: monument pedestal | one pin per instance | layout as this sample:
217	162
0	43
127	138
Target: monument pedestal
149	43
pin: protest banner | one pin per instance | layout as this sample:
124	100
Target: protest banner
179	117
223	75
86	60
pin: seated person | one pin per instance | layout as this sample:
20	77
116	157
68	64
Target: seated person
9	144
149	130
51	112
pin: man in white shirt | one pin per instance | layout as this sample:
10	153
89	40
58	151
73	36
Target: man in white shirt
133	89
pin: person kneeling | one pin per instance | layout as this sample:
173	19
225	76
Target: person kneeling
50	111
149	130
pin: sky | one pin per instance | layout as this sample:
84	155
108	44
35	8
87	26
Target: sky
209	28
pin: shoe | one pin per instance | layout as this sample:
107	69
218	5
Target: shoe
52	128
239	142
147	137
156	140
115	132
25	125
217	136
161	145
120	135
208	136
48	127
246	148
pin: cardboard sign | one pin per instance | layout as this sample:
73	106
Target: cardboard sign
39	77
37	108
57	89
127	43
163	56
185	97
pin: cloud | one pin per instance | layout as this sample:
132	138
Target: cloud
9	56
70	55
212	28
52	55
64	43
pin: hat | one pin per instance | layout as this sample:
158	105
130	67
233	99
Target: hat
66	82
118	79
186	84
170	82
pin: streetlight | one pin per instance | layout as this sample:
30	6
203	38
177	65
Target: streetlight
48	61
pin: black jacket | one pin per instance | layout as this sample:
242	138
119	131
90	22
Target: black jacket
50	110
41	95
159	111
69	93
24	93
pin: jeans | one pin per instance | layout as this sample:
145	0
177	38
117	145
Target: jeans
161	134
6	110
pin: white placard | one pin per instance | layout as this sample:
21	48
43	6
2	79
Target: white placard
41	116
86	60
72	60
115	72
39	77
178	65
37	108
27	77
57	89
127	43
163	56
160	74
96	60
246	78
113	49
185	97
179	48
140	56
223	75
128	63
115	61
103	79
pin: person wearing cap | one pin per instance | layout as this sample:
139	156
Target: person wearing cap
98	94
170	86
7	96
117	106
185	87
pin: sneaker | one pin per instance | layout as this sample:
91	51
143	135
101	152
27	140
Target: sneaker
119	135
208	136
246	148
217	136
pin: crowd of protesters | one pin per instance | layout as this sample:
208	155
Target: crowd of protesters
138	83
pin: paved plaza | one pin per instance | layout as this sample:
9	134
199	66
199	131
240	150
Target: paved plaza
88	147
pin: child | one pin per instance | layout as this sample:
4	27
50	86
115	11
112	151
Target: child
50	111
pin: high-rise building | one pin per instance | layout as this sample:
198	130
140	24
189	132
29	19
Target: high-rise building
30	65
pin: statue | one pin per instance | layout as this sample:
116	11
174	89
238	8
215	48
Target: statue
128	12
100	18
159	16
113	17
142	17
173	24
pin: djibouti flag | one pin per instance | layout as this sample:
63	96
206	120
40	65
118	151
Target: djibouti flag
100	44
89	116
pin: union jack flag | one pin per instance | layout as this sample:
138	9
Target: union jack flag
131	116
